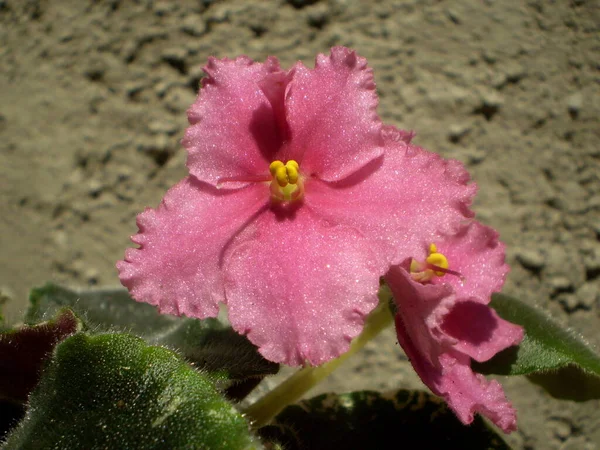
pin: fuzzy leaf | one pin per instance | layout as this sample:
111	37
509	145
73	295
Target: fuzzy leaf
214	347
569	383
101	309
208	344
366	419
25	350
555	357
115	391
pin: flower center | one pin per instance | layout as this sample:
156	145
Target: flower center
435	265
287	183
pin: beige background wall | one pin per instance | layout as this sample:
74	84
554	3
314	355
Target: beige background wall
93	100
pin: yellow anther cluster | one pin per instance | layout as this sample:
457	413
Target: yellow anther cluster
422	271
287	184
437	259
284	173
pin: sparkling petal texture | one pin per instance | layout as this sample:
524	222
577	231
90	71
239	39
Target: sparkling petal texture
331	112
299	287
440	331
421	310
471	393
233	129
299	278
177	266
478	330
478	255
401	201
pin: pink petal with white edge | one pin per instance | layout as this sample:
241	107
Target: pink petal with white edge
299	287
400	201
331	112
479	256
422	311
182	243
234	131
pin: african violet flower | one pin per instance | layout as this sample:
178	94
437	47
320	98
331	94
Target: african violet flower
298	201
443	320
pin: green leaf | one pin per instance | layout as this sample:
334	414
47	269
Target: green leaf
208	344
115	391
557	356
25	350
216	348
101	309
569	383
371	420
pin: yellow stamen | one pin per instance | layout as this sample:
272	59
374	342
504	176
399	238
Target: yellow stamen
414	266
287	183
422	273
292	172
437	259
281	176
274	166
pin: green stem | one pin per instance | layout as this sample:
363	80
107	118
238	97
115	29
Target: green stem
262	411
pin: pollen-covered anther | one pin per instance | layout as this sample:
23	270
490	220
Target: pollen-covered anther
437	259
436	264
287	184
284	173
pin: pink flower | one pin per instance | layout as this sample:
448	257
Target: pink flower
297	203
443	321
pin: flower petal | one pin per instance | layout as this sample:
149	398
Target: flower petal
477	254
467	393
233	130
480	332
422	309
182	242
401	201
331	112
436	355
300	288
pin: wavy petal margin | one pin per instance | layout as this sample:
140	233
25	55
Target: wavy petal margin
300	288
177	266
331	112
402	201
234	131
477	254
440	351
